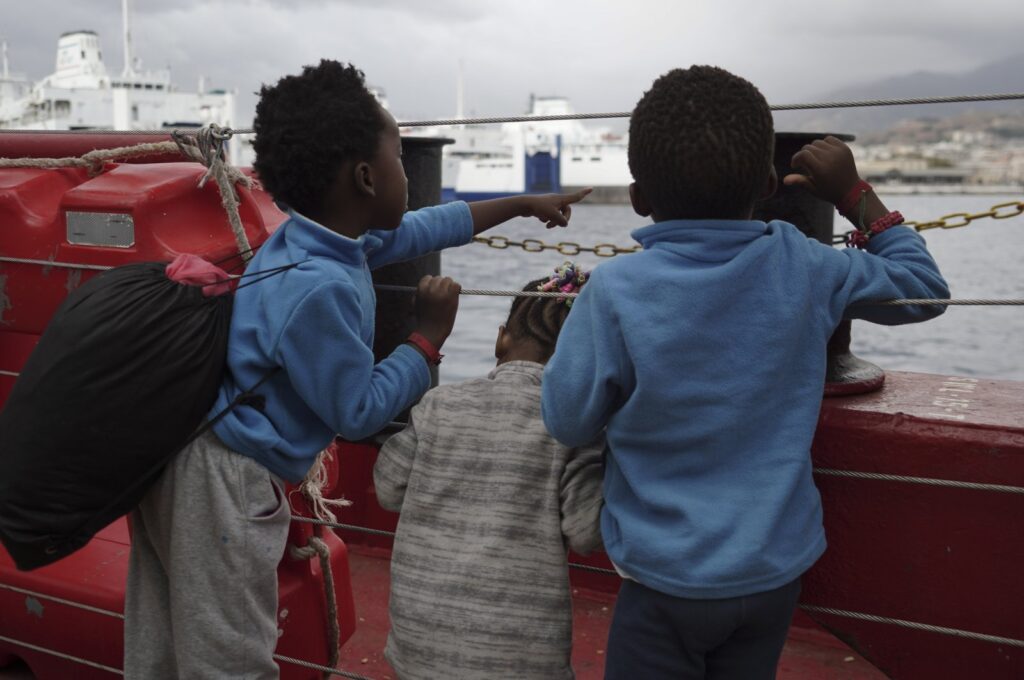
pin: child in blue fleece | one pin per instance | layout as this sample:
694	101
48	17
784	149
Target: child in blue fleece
201	598
704	357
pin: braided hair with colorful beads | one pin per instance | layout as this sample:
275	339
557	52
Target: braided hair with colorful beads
540	319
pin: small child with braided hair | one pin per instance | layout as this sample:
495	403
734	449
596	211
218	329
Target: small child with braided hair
489	502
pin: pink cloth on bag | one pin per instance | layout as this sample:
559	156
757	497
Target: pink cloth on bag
193	270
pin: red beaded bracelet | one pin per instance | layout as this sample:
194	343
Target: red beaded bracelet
859	239
852	197
433	356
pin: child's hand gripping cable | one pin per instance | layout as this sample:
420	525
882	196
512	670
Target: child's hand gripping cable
437	302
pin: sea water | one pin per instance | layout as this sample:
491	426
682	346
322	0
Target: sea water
981	260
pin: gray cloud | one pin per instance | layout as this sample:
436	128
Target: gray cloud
600	54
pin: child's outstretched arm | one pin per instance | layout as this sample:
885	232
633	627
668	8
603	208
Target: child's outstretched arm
553	209
454	224
581	499
898	264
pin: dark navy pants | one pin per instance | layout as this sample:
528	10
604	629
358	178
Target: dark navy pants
655	636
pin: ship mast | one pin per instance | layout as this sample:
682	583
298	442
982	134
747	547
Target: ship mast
128	71
459	91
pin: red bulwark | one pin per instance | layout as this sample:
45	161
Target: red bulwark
921	553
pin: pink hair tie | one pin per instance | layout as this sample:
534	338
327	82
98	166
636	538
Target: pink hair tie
568	278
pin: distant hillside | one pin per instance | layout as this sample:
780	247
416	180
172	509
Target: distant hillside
1005	75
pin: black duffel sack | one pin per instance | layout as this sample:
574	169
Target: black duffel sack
119	382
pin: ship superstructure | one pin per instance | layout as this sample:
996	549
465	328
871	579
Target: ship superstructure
488	161
82	94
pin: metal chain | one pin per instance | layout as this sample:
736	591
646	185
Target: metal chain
567	248
1001	211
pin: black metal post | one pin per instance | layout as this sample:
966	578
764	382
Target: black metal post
396	313
845	373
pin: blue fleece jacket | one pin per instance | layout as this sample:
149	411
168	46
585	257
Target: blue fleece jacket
704	356
316	322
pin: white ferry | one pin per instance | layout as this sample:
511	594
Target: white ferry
81	94
514	158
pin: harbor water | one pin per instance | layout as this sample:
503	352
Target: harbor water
981	260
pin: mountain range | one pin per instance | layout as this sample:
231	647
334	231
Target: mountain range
1002	76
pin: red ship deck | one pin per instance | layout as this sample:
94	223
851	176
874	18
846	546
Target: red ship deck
810	652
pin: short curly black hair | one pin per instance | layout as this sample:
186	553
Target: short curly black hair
700	144
537	319
307	126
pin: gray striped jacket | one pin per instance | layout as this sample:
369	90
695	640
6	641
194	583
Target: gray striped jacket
489	502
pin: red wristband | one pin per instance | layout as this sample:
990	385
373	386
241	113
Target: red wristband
852	197
432	355
859	239
885	221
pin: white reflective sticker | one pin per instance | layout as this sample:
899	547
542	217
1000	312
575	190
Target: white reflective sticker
112	230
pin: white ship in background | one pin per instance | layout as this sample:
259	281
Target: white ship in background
514	158
81	95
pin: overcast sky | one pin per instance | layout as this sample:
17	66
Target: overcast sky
602	55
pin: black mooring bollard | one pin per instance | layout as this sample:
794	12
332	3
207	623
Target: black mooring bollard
845	373
396	313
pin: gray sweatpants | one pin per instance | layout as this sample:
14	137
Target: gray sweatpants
201	598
